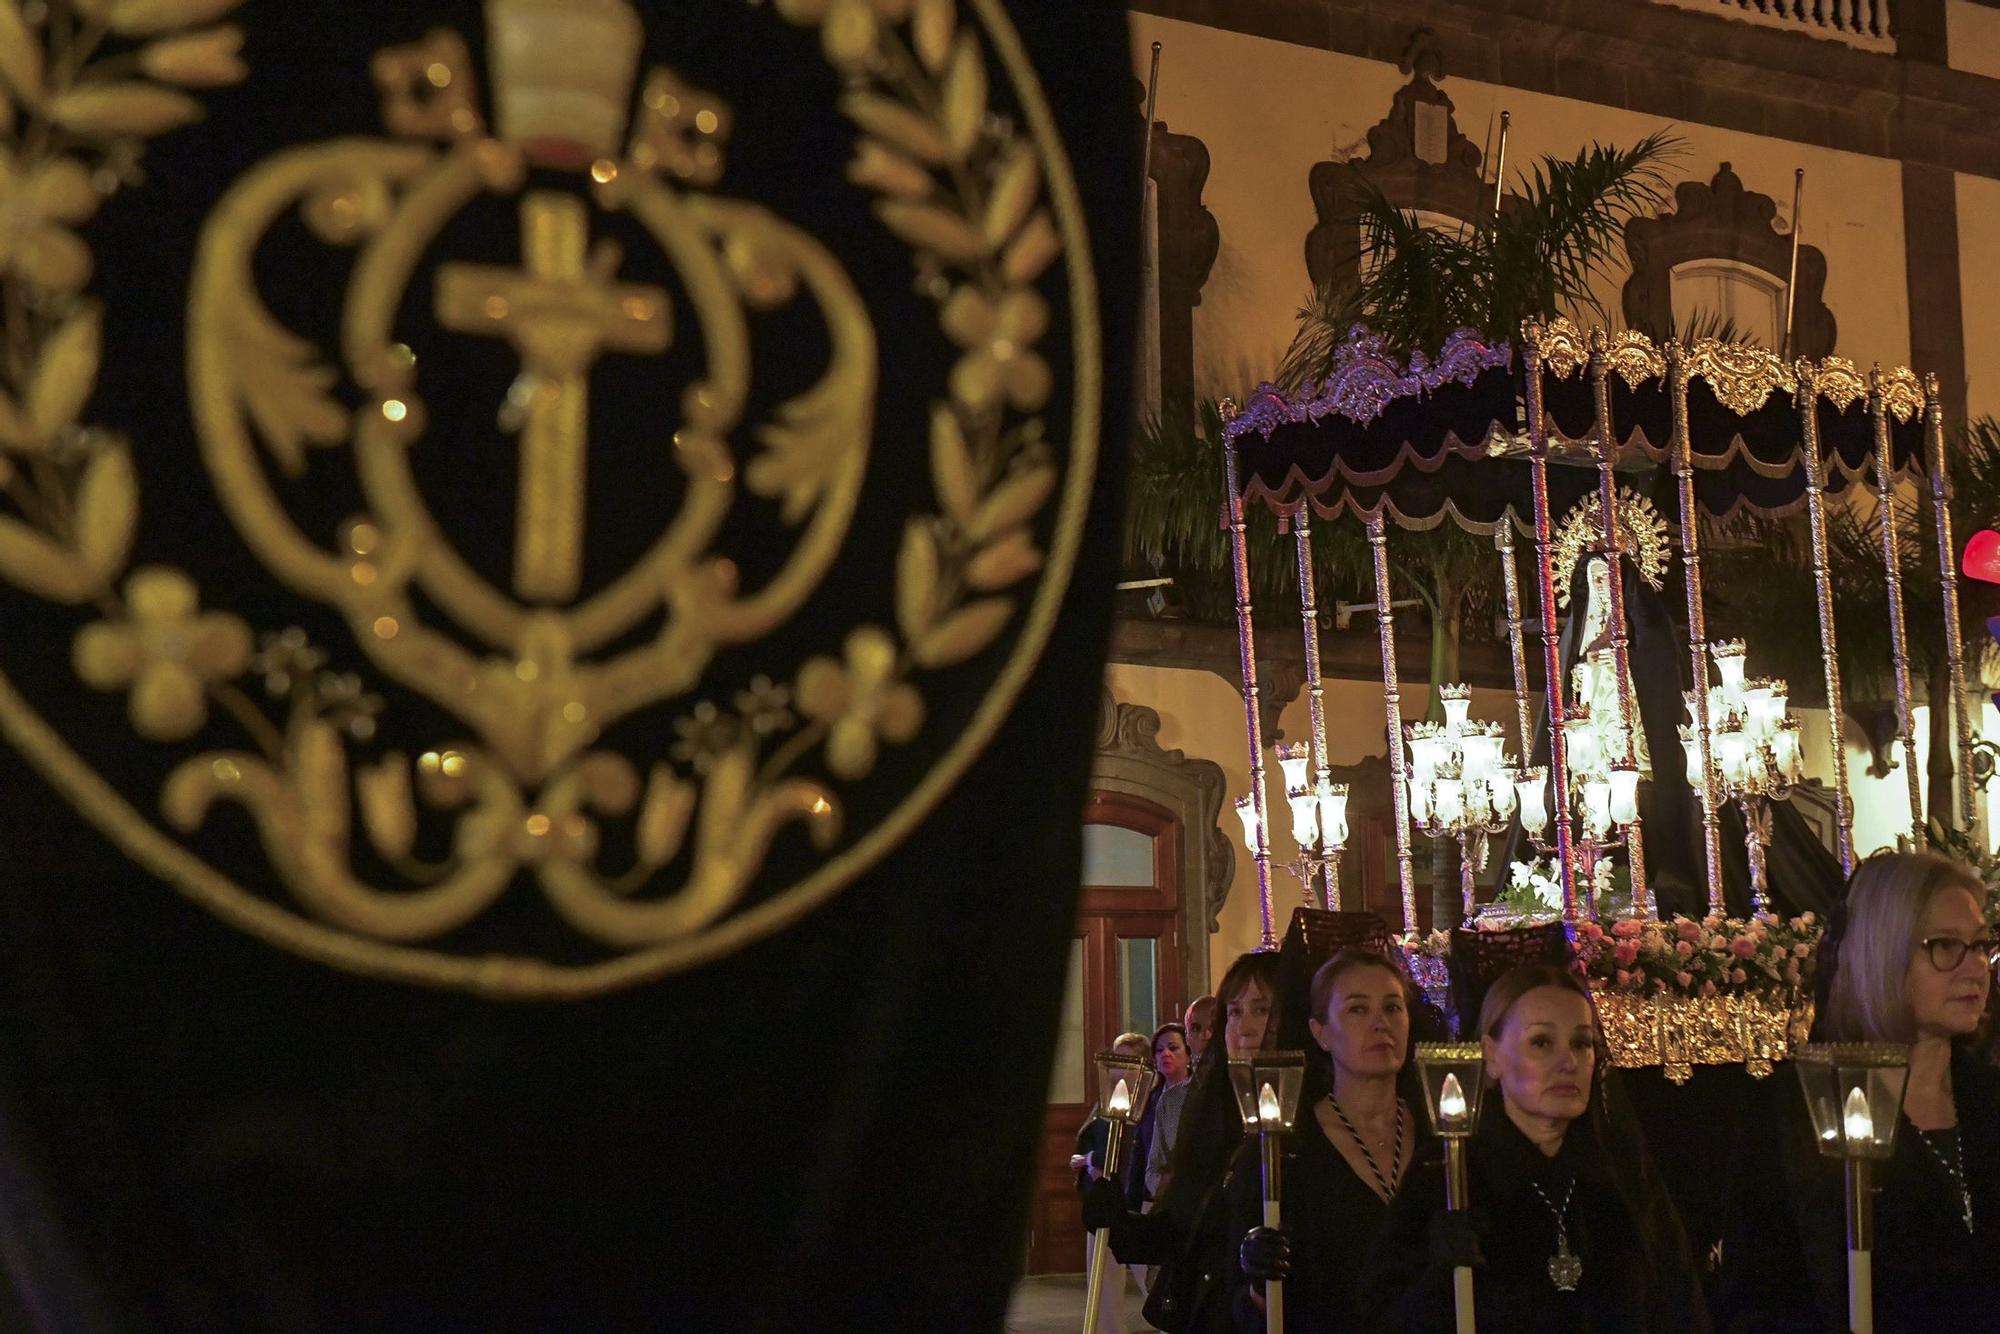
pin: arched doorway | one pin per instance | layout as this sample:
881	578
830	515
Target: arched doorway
1155	869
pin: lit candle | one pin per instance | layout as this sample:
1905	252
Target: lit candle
1120	1105
1451	1101
1858	1124
1268	1110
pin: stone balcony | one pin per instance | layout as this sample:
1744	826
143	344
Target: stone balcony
1860	23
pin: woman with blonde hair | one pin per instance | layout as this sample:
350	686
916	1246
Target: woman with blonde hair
1569	1228
1361	1124
1909	959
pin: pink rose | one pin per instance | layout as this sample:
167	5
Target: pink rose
1688	931
1624	978
1685	949
1800	951
1684	980
1708	989
1626	928
1592	931
1807	919
1743	947
1712	921
1738	976
1626	952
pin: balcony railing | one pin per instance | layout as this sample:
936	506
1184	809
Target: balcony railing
1862	23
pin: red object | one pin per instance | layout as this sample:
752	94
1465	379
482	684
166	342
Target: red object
1982	557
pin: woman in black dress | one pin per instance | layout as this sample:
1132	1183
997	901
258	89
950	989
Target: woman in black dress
1568	1229
1357	1134
1187	1232
1909	958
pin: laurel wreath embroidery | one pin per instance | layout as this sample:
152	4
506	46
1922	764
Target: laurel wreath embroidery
954	181
72	132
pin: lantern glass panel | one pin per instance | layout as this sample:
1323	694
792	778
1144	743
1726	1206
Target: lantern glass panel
1854	1092
1124	1083
1454	1079
1267	1090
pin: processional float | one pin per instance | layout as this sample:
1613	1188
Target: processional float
1507	440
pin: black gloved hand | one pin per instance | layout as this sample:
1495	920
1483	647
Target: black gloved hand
1265	1254
1103	1203
1455	1240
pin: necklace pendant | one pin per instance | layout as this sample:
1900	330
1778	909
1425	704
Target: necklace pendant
1565	1269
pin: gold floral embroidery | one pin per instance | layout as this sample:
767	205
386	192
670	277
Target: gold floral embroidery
860	702
167	653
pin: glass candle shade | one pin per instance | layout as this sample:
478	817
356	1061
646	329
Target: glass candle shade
1267	1090
1581	741
1453	1075
1246	811
1597	806
1854	1092
1531	788
1457	701
1293	757
1331	801
1124	1083
1305	815
1624	796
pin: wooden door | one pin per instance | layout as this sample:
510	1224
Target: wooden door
1124	976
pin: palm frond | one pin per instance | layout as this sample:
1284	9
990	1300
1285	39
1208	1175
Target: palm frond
1546	253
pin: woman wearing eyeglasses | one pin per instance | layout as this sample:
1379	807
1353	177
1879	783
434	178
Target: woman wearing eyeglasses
1908	959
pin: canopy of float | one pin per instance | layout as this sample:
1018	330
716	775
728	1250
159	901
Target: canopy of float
1445	436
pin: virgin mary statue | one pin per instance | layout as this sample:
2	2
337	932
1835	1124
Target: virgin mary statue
1803	873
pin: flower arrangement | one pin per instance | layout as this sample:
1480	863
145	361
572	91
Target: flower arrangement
1533	892
1715	956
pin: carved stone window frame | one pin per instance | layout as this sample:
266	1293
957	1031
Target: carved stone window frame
1453	188
1130	762
1719	219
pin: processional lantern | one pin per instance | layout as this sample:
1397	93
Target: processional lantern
1267	1097
1854	1092
1454	1079
1124	1086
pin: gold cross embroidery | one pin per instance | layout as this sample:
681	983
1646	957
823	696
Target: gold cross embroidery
560	314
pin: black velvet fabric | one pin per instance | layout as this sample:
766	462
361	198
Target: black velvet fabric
199	1132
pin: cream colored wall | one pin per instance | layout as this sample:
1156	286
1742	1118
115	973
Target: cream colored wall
1978	269
1269	110
1202	714
1972	35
